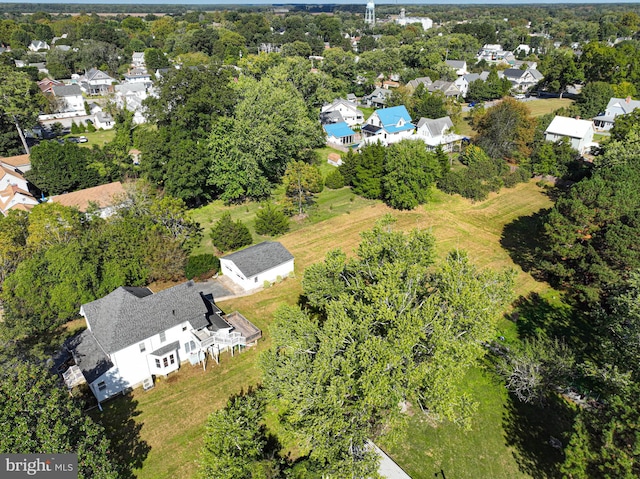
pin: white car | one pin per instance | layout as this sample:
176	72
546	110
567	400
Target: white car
82	139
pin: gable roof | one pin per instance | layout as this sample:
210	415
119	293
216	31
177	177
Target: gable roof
11	172
259	258
392	115
95	74
572	127
436	127
626	105
514	73
457	64
66	90
421	80
339	130
103	196
89	356
129	315
16	161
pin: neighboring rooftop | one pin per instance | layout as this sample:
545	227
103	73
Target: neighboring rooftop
103	196
259	258
562	125
339	130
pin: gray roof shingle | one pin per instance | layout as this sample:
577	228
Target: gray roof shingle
129	315
259	258
66	90
89	356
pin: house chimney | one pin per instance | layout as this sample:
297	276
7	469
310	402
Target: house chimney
628	99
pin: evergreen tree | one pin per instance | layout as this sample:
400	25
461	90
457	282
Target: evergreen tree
349	166
369	172
271	220
228	235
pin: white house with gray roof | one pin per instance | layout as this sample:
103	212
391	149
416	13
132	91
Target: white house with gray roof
251	267
134	335
68	98
578	132
438	132
615	107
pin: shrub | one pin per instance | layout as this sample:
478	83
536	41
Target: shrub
201	265
334	180
271	220
75	129
228	235
91	128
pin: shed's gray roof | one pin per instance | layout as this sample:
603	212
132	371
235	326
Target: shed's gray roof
456	63
127	316
66	90
89	356
259	258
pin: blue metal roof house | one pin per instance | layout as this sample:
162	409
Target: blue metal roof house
388	125
340	133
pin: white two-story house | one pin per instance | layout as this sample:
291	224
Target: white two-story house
134	335
438	132
348	110
388	125
68	98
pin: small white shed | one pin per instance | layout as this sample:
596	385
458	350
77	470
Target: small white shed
251	267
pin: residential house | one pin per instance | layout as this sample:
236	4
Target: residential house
615	107
137	60
134	335
493	53
460	66
20	163
37	45
579	132
68	98
46	85
129	96
249	268
413	84
438	132
138	75
14	191
352	98
340	134
96	82
377	98
522	80
388	125
449	89
349	112
104	199
14	197
103	120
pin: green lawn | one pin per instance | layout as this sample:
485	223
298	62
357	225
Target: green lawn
100	138
479	453
547	105
171	417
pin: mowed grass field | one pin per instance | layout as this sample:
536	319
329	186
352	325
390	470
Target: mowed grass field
172	416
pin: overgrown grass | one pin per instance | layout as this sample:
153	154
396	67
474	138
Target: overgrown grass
173	415
548	105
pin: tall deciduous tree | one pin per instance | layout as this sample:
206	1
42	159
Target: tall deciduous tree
389	331
18	101
37	415
506	130
410	172
302	181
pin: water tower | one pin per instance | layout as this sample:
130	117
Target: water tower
370	14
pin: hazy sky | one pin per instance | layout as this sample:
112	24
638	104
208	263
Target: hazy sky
350	2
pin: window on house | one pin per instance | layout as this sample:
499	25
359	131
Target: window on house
163	337
190	346
157	363
142	347
165	362
172	359
102	386
256	279
184	328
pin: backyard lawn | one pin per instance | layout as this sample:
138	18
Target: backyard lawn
171	417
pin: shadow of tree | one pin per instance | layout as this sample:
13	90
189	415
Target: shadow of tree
535	315
538	435
128	451
523	240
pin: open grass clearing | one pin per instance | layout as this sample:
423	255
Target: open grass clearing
97	137
542	106
172	416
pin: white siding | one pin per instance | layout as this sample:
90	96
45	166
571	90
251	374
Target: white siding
231	270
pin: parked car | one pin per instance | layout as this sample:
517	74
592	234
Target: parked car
82	139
